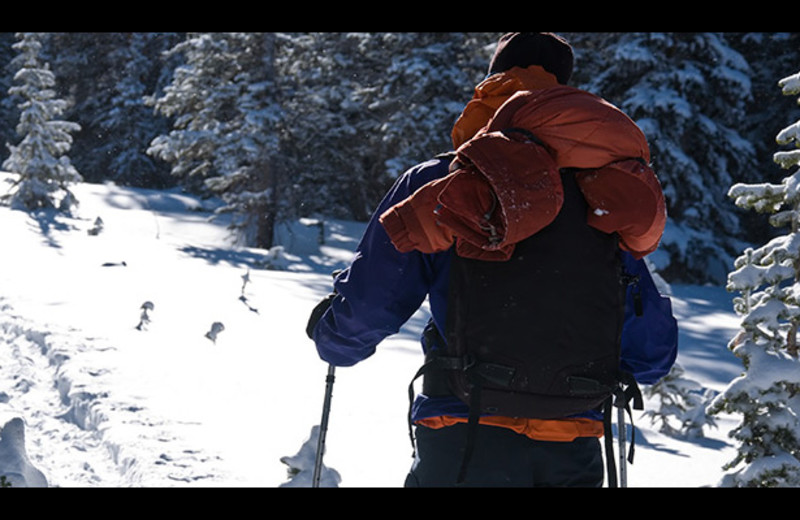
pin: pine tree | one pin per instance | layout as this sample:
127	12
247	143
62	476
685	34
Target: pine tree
40	158
87	70
124	125
418	108
682	408
689	93
333	140
9	113
224	136
200	99
104	76
767	279
251	181
367	106
769	55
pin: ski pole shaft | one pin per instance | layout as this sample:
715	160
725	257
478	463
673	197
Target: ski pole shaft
323	428
623	473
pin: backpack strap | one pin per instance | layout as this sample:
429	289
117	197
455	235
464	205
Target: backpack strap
424	368
435	367
611	467
628	392
432	371
472	429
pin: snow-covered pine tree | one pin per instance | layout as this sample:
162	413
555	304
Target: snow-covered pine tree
9	113
769	56
250	174
689	93
200	100
428	79
333	139
40	158
682	405
104	75
767	278
125	125
367	106
86	68
223	140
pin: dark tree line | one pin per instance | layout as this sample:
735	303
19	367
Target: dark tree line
286	125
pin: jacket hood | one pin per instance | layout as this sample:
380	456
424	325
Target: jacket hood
491	93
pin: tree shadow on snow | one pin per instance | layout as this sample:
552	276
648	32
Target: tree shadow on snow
48	222
641	441
214	256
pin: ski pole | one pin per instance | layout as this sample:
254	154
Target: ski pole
623	473
323	428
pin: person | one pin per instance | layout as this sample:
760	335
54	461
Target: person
407	251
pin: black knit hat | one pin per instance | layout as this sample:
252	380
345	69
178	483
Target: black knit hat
548	50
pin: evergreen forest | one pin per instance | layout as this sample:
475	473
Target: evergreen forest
281	126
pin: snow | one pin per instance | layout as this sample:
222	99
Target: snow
218	386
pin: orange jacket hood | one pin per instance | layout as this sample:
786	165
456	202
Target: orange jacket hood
491	93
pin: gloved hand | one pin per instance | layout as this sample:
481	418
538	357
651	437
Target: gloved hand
320	308
317	313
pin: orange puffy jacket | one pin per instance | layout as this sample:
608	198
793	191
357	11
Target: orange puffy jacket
505	185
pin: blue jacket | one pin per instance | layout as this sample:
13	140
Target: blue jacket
383	288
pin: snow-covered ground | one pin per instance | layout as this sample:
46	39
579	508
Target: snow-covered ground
111	376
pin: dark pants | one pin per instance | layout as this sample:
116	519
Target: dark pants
503	458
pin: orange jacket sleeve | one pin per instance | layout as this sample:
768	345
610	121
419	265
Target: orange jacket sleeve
413	223
626	197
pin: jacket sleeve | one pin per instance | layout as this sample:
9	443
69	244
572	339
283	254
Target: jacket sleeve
650	332
625	197
412	224
382	287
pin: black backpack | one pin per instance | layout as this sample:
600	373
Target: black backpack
538	335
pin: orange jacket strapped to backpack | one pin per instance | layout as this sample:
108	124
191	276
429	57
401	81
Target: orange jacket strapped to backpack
504	187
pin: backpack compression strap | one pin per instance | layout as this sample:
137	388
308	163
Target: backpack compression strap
627	392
